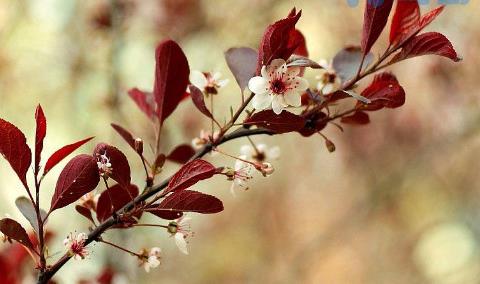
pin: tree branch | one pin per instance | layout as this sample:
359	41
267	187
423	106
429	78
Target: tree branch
94	235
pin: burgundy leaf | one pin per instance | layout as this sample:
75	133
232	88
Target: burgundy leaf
181	154
62	153
313	123
242	61
85	212
278	123
14	148
41	131
144	101
79	177
120	168
425	44
13	230
347	62
375	19
198	101
114	199
277	40
190	174
407	34
405	19
171	77
164	213
191	201
384	91
358	118
126	135
297	39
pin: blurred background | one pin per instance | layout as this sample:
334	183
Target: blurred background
398	202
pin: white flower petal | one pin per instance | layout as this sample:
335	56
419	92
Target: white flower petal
258	85
216	76
264	72
262	147
328	88
155	251
277	68
293	99
277	105
262	101
299	84
153	261
293	71
198	79
222	83
181	243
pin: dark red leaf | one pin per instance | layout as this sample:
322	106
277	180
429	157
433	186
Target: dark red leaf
114	199
405	19
62	153
347	62
41	131
428	18
411	25
384	91
144	101
120	167
191	201
358	118
85	212
79	177
171	77
181	154
198	101
13	230
276	41
164	213
190	174
126	135
242	62
14	148
297	39
425	44
375	19
278	123
313	123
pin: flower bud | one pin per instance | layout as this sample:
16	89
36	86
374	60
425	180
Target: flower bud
139	146
330	146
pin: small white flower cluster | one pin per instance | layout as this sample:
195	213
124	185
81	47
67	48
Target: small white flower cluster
150	259
329	81
104	165
206	82
252	158
204	138
180	229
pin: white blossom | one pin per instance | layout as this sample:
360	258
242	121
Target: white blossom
278	87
